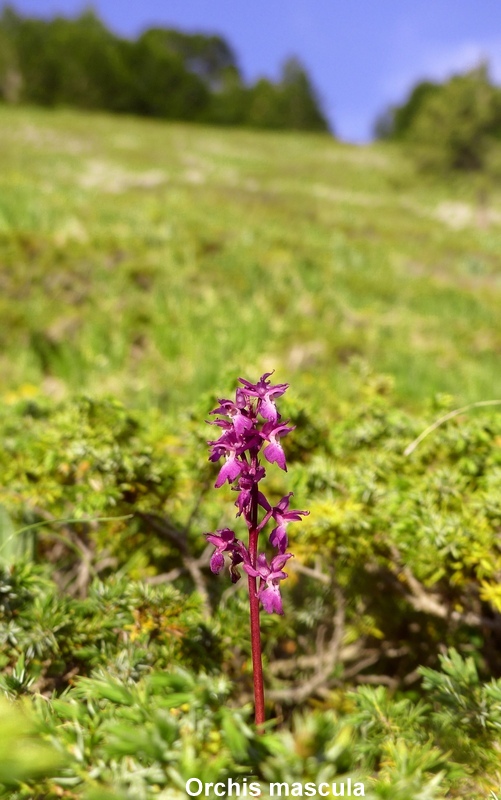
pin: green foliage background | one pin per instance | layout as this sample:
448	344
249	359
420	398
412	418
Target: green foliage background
144	267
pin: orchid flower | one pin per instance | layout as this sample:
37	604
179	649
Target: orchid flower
250	427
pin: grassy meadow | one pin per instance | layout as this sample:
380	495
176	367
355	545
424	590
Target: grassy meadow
149	260
153	264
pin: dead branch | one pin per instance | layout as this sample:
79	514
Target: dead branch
422	600
327	658
316	574
191	565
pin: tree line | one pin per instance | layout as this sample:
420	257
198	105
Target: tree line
163	73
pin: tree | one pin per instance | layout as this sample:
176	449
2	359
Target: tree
265	106
455	127
208	57
396	121
291	104
229	102
68	62
162	85
89	63
10	76
301	106
450	126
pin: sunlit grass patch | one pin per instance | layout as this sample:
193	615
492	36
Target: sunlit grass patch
144	257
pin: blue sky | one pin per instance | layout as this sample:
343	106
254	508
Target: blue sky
361	54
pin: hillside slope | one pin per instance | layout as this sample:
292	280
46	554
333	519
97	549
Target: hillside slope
148	259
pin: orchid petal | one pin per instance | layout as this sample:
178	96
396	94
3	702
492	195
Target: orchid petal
229	471
271	599
279	539
274	453
216	562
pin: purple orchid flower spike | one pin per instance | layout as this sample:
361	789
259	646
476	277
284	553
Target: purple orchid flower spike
251	427
282	516
270	575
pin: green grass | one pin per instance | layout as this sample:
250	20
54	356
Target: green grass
151	260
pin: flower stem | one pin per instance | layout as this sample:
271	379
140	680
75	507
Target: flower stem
257	660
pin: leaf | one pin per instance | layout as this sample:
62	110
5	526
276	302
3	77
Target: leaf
14	545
